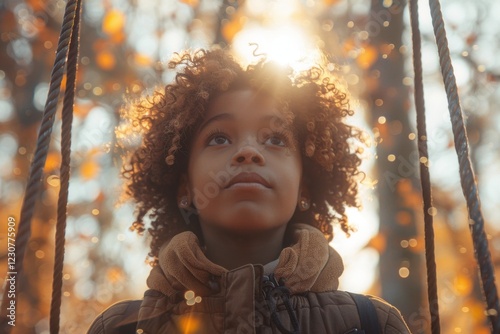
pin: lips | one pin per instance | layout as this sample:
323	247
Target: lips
246	177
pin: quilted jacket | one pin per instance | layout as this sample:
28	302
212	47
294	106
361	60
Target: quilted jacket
189	294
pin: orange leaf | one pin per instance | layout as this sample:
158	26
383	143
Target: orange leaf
100	44
367	57
89	169
106	60
348	45
192	3
420	246
53	161
114	274
463	284
82	109
403	218
118	38
113	22
378	242
142	60
471	39
386	48
37	5
63	82
230	29
477	311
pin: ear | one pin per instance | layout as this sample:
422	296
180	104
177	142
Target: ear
304	197
183	192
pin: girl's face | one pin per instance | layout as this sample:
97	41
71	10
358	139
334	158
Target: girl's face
244	172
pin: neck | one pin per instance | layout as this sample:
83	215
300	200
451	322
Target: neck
231	250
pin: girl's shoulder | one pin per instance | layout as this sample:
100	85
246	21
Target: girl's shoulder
348	307
118	318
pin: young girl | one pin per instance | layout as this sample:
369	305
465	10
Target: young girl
243	173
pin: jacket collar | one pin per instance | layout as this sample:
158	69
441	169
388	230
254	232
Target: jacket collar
309	264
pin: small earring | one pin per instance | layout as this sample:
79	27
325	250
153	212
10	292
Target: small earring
304	204
184	202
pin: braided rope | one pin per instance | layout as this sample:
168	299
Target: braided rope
467	177
425	181
67	119
40	156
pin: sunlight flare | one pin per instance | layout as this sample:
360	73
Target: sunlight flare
287	45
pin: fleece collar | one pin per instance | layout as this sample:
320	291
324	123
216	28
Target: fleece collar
309	264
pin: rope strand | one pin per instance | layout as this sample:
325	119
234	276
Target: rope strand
425	181
467	177
67	119
40	156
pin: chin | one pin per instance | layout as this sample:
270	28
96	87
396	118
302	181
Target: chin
252	225
246	218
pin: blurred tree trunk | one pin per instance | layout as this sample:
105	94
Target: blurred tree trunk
397	164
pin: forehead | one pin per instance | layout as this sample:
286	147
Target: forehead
244	105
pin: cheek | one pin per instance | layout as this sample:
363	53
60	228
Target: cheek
291	175
195	177
297	169
197	169
204	183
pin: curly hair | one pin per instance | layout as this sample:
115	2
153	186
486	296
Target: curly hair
168	119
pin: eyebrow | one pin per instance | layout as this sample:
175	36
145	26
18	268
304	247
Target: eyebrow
226	116
218	117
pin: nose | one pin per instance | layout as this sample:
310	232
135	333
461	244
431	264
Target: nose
248	154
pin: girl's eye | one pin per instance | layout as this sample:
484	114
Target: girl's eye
217	138
277	139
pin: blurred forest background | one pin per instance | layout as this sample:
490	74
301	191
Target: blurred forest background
125	45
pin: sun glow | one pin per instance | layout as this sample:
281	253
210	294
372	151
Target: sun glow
288	45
